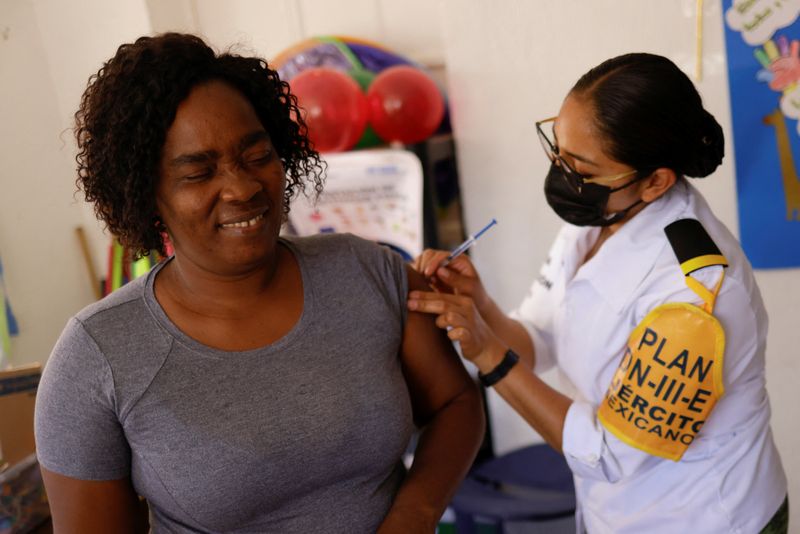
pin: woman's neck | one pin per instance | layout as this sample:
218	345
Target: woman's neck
224	296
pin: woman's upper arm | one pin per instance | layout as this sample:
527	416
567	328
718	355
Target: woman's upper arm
80	443
433	369
93	506
76	423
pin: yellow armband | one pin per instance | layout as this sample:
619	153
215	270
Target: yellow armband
670	376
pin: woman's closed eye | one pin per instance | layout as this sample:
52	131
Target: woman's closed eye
260	158
197	175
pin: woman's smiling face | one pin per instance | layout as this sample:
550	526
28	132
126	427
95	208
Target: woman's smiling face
221	185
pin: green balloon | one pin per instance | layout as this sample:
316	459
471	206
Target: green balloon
369	138
362	77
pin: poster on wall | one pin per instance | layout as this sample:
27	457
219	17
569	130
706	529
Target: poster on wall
375	194
762	39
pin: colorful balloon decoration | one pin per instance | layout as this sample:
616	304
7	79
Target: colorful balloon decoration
404	105
364	62
335	108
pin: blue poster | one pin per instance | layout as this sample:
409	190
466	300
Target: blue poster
762	39
8	324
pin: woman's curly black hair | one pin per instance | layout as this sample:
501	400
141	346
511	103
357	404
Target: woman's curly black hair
129	105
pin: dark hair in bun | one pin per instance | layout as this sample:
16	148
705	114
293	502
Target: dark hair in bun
651	115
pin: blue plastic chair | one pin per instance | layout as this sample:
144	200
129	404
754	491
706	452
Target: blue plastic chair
530	484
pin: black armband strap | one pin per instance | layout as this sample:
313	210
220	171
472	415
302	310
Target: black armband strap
495	375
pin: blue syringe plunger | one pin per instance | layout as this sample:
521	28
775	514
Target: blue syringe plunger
460	249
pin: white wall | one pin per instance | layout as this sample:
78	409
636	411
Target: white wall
47	52
510	64
37	211
411	27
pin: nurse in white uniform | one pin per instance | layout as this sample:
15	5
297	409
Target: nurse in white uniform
647	304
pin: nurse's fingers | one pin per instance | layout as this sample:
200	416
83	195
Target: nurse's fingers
427	262
418	263
430	305
462	283
430	302
431	295
453	319
460	334
426	306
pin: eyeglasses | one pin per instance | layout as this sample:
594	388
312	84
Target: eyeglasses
575	179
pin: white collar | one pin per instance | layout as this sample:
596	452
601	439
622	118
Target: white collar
626	258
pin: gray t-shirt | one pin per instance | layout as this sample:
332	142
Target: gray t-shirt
303	435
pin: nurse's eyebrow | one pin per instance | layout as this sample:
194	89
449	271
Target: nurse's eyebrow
573	155
580	158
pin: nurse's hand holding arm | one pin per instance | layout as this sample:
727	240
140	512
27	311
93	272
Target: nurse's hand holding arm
485	333
461	278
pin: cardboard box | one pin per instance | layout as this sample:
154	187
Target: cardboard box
23	503
17	399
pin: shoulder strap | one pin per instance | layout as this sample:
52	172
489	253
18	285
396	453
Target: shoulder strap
695	249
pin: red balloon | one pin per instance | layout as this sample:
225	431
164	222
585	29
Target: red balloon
335	108
404	105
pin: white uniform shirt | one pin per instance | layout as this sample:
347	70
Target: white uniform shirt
730	480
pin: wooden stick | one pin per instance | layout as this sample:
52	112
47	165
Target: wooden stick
87	258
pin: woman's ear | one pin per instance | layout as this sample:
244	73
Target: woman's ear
659	182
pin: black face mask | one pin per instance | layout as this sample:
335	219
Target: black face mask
584	208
